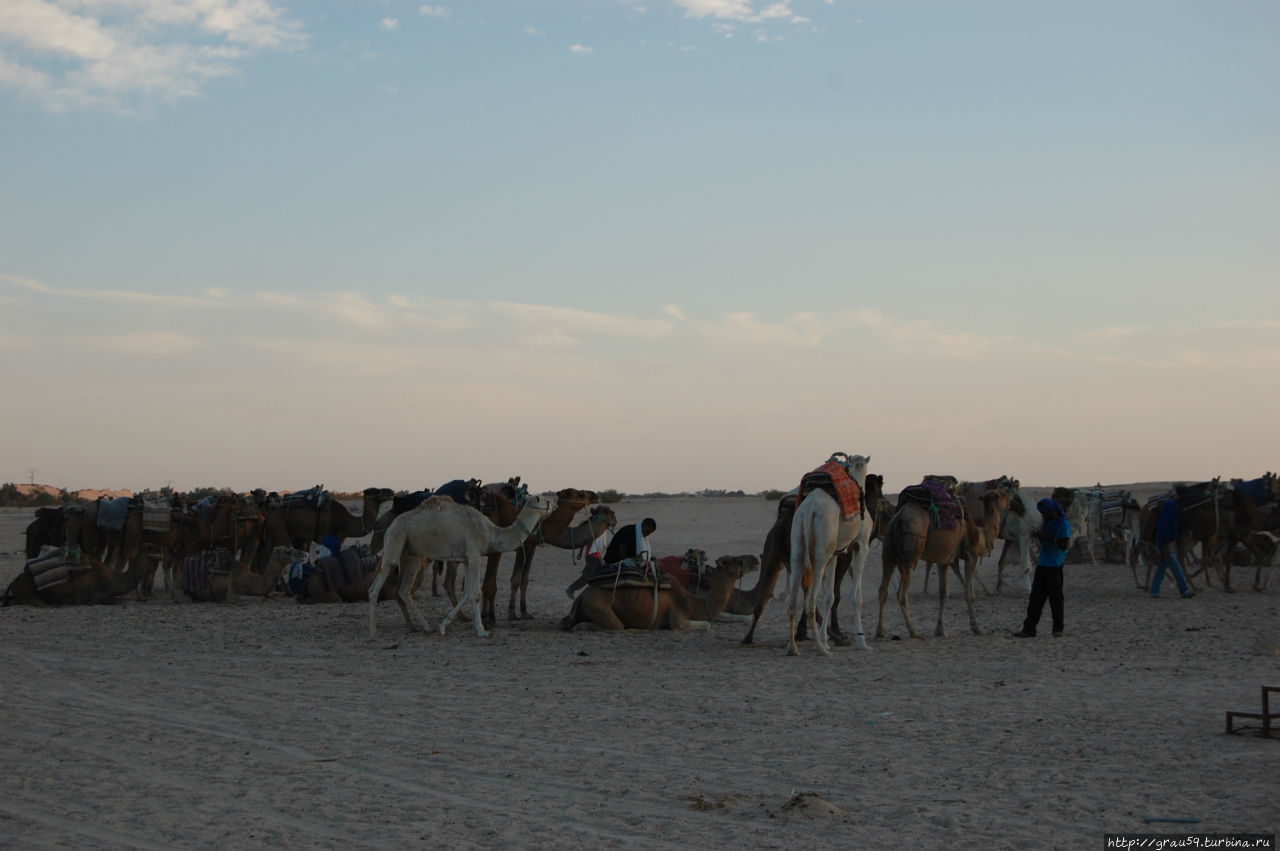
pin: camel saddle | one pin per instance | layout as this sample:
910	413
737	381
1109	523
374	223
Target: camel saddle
112	513
833	477
55	566
945	509
1193	496
400	503
1257	490
156	513
196	570
627	573
311	496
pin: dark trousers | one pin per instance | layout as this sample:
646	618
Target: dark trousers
1046	585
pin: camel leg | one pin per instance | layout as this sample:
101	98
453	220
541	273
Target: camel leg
489	589
884	596
825	594
970	595
943	571
471	592
904	584
794	582
856	569
404	597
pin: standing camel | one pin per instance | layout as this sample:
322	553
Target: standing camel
313	518
912	537
818	531
556	532
442	530
776	555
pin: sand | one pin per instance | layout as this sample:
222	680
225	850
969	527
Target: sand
271	724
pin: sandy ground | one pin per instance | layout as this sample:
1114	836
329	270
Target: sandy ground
270	724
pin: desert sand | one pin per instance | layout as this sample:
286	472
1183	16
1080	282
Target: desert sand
271	724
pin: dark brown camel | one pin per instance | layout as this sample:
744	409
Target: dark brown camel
306	523
88	582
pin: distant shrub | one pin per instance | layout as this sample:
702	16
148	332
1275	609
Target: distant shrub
773	495
611	495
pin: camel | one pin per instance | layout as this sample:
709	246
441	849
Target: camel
1210	511
442	530
49	528
692	572
1021	522
569	501
972	493
556	532
818	531
911	537
306	523
314	590
652	606
88	581
776	555
243	584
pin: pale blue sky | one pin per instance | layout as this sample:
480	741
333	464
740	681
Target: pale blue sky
646	246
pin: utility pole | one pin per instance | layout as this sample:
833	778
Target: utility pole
31	475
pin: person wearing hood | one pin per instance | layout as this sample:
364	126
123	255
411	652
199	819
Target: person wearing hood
1055	539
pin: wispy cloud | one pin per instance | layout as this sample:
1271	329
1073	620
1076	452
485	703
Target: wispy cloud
434	12
581	49
734	10
123	55
389	23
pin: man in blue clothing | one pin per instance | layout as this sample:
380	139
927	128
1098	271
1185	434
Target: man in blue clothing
1167	534
1055	539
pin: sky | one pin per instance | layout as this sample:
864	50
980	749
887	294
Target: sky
646	246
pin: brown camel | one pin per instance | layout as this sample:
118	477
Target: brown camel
556	532
442	530
77	582
651	607
242	583
1209	512
501	507
911	537
49	528
313	516
777	552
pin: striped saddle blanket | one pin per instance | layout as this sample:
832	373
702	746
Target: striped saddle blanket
54	566
196	570
833	478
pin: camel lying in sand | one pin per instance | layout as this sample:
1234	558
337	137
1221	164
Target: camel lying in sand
652	607
242	583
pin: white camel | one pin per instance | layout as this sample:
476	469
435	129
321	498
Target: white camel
818	532
1019	526
1084	516
441	530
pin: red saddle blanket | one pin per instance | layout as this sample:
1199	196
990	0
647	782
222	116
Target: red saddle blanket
835	480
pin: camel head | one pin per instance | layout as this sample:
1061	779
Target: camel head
995	501
605	513
743	564
569	496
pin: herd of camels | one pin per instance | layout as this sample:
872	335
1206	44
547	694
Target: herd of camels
98	551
